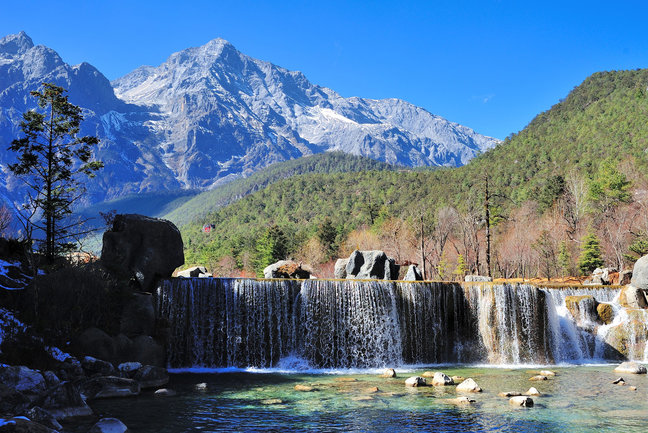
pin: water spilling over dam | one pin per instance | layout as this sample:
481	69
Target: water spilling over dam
213	322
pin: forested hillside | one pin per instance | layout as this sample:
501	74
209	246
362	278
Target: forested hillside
577	168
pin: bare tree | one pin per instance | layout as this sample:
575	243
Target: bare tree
5	219
574	203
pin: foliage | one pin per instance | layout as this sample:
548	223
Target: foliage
51	158
610	187
590	257
564	258
462	269
637	249
270	247
327	235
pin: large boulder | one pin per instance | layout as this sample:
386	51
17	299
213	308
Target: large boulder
142	249
12	400
108	386
150	376
583	309
441	379
64	401
194	272
96	343
286	269
633	297
600	277
413	274
640	273
94	366
138	316
468	385
25	380
371	265
340	269
631	367
44	417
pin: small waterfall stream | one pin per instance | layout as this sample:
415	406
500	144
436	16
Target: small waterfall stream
213	322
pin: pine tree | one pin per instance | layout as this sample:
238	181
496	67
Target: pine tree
564	258
271	247
637	249
461	269
327	234
52	158
590	257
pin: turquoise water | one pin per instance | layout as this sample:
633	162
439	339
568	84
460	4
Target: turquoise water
578	399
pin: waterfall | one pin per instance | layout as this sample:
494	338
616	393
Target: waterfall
213	322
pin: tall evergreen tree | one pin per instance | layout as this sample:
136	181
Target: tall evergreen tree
51	159
590	257
270	247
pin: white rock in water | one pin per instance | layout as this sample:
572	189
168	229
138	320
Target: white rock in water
164	392
547	373
441	379
201	386
109	425
533	391
521	401
631	367
415	381
468	385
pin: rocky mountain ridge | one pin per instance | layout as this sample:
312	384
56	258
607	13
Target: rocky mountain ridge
210	114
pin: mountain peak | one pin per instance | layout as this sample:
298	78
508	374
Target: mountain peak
15	44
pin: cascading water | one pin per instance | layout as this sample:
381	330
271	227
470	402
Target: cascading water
341	324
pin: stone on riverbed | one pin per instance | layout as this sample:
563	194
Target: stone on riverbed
304	388
415	381
150	376
509	394
109	425
619	381
64	401
521	401
631	367
539	377
547	373
457	379
389	373
468	385
460	400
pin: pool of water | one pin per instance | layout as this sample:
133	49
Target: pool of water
578	399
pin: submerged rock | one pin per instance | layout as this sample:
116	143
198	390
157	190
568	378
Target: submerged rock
468	385
461	400
509	394
547	373
539	377
164	392
415	381
109	425
521	401
304	388
271	401
631	367
457	379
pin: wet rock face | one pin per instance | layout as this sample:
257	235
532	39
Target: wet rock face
23	379
633	297
583	309
142	249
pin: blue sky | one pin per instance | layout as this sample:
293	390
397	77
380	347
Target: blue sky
490	65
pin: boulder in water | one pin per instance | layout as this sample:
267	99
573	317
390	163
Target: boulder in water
523	401
632	388
150	376
194	272
582	309
389	373
441	379
109	425
468	385
108	387
547	373
618	381
509	394
413	274
457	379
286	269
164	392
142	249
415	381
64	401
631	367
633	297
605	313
532	391
340	269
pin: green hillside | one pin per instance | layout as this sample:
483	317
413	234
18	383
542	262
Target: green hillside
605	118
209	201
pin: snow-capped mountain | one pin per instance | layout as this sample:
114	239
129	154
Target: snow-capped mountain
209	114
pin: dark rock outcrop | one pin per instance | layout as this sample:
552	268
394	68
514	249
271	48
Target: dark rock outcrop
94	366
138	317
142	249
64	401
151	377
108	386
374	264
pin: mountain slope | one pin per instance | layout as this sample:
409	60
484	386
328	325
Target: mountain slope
209	201
603	118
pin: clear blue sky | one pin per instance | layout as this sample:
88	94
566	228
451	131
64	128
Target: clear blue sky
490	65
